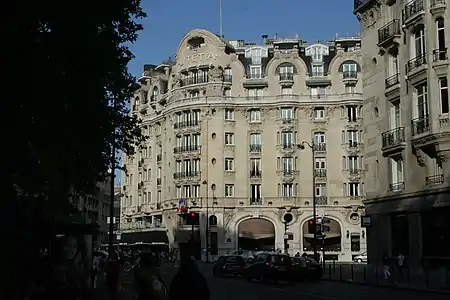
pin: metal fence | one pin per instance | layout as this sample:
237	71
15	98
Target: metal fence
423	279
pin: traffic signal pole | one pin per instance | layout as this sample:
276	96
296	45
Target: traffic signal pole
313	151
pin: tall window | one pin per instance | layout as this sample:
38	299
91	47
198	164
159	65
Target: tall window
255	94
288	164
320	163
353	136
397	170
286	138
352	113
187	140
287	70
422	101
287	190
440	40
319	113
318	92
317	70
195	192
354	189
255	139
419	42
255	166
255	115
394	115
229	164
353	163
255	193
229	114
229	138
196	139
443	88
319	138
287	113
321	190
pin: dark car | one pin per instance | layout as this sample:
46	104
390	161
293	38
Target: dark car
306	268
229	265
270	266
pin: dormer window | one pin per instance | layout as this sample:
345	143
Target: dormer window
255	72
256	55
317	71
317	52
196	42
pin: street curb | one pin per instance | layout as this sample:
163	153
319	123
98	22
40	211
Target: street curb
441	292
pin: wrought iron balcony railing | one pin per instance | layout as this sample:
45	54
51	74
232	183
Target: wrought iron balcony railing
186	124
190	174
420	125
189	148
416	63
396	187
388	31
411	9
440	54
286	76
434	180
255	148
391	81
393	137
350	75
255	174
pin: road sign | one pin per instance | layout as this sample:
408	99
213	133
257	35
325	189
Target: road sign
366	221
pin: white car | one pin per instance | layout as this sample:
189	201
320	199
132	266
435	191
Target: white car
360	258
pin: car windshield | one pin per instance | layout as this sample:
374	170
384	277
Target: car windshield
284	259
234	259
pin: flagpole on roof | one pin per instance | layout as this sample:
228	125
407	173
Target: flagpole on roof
220	19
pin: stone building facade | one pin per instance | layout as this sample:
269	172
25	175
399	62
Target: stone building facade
225	123
406	128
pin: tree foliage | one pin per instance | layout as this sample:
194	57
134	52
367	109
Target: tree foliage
68	90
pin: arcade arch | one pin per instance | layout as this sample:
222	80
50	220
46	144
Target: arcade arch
332	240
256	234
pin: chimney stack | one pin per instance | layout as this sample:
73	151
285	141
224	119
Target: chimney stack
264	38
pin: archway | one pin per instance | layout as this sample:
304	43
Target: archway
256	234
331	239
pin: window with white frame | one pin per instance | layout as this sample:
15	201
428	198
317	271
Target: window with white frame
419	42
196	139
289	69
187	166
255	139
255	192
421	111
394	115
352	113
443	88
319	113
229	164
321	190
354	189
353	136
255	72
159	172
255	94
397	170
393	65
441	48
229	138
288	164
178	192
179	166
318	92
195	191
255	115
187	140
319	138
194	94
287	113
229	190
187	191
353	163
287	190
229	114
195	165
349	67
287	138
320	163
317	71
255	165
350	89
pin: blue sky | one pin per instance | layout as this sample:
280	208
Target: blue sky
169	21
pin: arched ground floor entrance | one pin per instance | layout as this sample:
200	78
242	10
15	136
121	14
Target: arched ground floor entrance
330	240
256	234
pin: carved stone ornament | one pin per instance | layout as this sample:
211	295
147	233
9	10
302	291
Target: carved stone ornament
442	157
176	82
329	110
419	156
215	74
308	111
288	179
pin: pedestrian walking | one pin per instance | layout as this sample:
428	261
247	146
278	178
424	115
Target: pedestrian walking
386	268
188	283
149	284
113	275
400	263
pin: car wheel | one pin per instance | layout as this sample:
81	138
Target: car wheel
359	260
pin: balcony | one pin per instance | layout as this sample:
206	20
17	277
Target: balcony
227	78
255	82
362	5
287	120
287	173
286	79
434	180
194	80
255	148
420	126
393	139
396	187
255	201
186	149
287	147
255	174
159	157
350	76
389	34
437	7
320	147
321	200
440	61
321	173
416	68
413	10
392	81
186	175
186	124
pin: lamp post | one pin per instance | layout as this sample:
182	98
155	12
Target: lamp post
313	149
111	204
207	222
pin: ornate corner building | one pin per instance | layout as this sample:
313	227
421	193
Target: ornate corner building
225	122
406	126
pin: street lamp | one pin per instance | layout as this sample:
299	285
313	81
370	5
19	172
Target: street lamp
313	149
207	234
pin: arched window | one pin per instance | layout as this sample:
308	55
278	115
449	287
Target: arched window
213	220
155	94
440	53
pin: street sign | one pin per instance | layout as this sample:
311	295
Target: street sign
118	236
366	221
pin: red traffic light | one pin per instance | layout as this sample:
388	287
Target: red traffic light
192	214
311	222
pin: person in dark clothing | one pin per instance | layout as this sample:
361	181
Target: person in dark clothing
188	283
113	275
149	284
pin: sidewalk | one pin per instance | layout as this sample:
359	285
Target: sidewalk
437	281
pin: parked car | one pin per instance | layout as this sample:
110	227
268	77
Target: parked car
306	268
361	258
244	253
229	265
270	266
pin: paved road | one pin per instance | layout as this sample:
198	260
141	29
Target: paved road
239	288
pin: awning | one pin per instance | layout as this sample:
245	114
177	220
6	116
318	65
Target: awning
150	237
256	229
